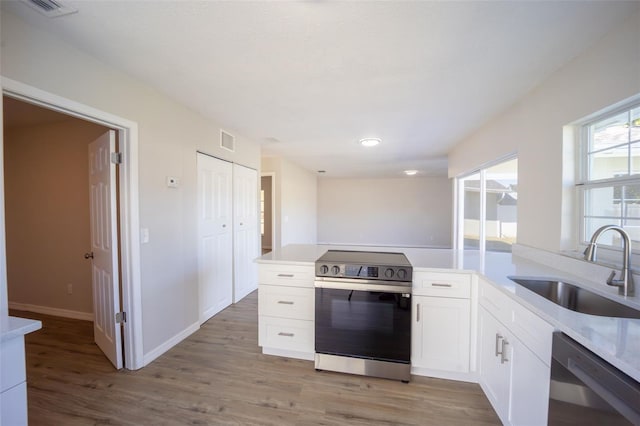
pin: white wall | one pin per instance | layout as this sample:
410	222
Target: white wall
295	202
169	135
605	74
402	212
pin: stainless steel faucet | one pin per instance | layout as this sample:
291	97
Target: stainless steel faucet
625	283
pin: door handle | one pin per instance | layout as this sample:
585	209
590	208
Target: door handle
88	255
282	333
498	338
417	312
503	354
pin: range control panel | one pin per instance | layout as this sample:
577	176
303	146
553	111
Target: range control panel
370	272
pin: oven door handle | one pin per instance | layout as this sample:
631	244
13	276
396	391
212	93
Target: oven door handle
355	286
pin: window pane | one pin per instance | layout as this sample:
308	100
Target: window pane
501	217
602	202
471	226
635	124
610	163
633	229
635	158
609	132
630	199
610	238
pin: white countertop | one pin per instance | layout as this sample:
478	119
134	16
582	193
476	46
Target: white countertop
617	340
12	327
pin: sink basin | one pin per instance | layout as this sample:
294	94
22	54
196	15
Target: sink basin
577	298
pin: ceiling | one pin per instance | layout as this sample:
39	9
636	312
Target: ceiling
307	80
22	114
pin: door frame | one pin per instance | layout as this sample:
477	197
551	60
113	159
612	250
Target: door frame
129	205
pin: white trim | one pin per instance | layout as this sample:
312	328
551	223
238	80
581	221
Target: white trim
164	347
56	312
129	208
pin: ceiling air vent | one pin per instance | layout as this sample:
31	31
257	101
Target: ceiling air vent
50	8
227	141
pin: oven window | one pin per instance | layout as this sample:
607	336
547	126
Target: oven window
363	324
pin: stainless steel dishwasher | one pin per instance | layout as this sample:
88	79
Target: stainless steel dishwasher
587	390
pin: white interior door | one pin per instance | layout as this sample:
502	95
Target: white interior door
215	235
245	235
104	246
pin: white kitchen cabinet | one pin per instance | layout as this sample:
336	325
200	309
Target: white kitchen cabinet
440	334
442	327
514	358
286	310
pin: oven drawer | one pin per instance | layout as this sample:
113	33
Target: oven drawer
442	284
287	275
286	302
286	334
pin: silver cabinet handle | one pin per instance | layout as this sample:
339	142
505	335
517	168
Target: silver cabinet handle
286	275
418	312
503	354
285	302
440	285
282	333
498	338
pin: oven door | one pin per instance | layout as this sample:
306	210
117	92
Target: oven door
355	318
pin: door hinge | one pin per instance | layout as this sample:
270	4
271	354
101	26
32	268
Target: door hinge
116	157
121	317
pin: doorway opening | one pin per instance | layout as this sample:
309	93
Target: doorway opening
267	215
127	197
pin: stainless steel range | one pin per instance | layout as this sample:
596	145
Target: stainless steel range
363	313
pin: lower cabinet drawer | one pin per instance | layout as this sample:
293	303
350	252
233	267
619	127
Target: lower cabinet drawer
286	302
286	334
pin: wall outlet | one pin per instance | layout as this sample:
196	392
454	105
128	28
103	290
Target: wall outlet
69	288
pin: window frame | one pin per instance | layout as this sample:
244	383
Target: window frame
583	183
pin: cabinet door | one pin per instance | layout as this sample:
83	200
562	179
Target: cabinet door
441	333
494	374
529	387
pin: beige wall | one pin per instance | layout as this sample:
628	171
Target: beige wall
295	202
169	136
396	212
605	74
47	214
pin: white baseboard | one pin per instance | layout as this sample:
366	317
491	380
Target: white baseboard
56	312
151	356
308	356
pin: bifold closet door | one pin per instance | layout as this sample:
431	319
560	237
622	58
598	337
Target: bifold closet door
215	235
245	231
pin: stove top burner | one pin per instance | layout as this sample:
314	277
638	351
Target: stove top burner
367	265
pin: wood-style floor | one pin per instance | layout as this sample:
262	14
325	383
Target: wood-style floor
218	376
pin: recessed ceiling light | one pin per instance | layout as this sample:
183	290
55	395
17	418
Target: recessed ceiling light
370	142
410	172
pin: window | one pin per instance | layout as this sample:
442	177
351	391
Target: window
487	208
609	181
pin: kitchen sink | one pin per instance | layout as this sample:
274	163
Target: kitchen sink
577	298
